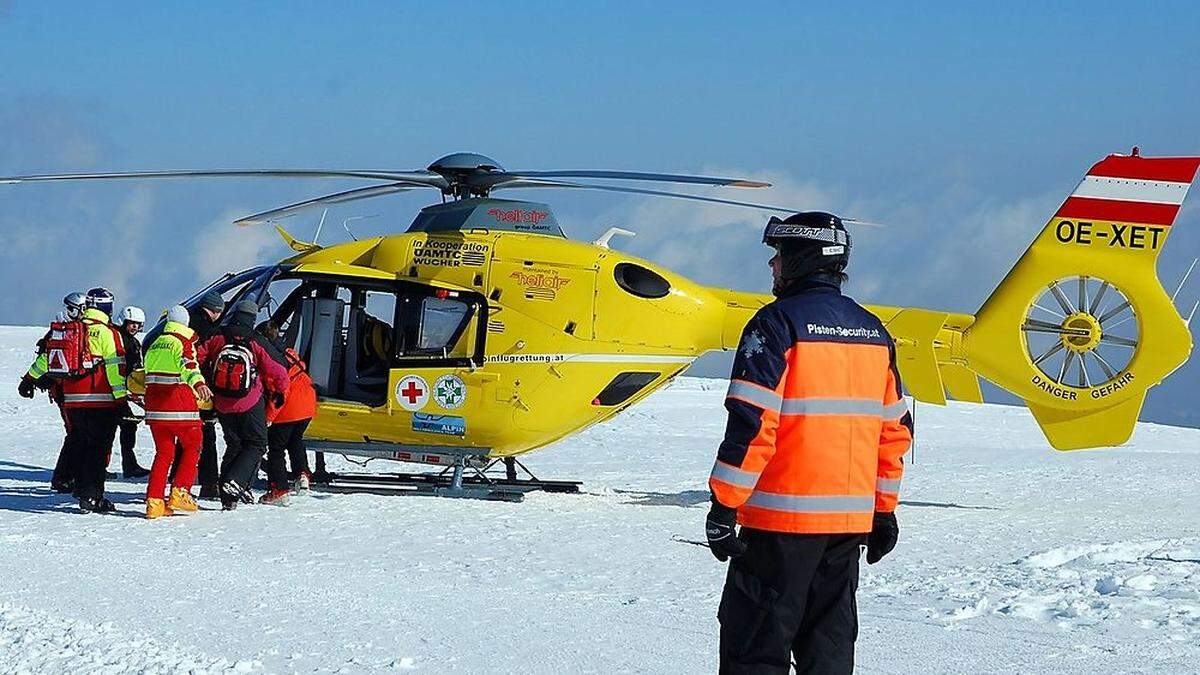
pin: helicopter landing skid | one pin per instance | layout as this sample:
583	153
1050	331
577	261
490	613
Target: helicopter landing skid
454	482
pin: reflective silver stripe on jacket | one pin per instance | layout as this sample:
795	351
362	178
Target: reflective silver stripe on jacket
813	503
113	360
832	406
754	394
733	475
87	398
164	416
887	485
895	411
162	379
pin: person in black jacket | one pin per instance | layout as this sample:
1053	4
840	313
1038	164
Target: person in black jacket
132	320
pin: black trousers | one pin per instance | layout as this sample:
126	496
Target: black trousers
207	473
791	599
128	429
91	435
245	443
64	468
286	439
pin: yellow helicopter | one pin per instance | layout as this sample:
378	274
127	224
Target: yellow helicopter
482	332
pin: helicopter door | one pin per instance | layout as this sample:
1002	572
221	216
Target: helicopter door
435	385
320	335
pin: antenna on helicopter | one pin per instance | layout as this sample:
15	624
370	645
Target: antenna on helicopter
603	240
317	235
346	223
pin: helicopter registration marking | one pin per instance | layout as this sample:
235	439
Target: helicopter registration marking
412	392
587	358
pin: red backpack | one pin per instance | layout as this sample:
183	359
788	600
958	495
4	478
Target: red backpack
68	355
234	373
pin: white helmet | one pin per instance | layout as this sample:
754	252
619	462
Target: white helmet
132	314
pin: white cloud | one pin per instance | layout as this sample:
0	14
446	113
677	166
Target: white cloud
224	247
122	242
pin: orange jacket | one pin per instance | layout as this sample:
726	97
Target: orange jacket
300	402
817	423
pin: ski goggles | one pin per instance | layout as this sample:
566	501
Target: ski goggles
777	230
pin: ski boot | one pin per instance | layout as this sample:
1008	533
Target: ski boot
210	491
233	494
181	501
303	483
96	505
63	486
155	508
276	496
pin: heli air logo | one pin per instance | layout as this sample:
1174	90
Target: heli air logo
540	279
450	392
518	216
412	392
753	344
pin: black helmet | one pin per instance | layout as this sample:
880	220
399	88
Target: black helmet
99	298
808	241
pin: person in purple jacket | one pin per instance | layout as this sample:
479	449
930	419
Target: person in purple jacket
242	374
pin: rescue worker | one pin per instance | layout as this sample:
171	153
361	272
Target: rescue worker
203	321
63	478
243	375
173	386
132	320
285	435
92	402
810	465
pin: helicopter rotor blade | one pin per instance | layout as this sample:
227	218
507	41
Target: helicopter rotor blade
537	183
640	175
336	198
423	177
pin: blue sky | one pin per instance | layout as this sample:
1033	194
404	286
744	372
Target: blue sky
961	127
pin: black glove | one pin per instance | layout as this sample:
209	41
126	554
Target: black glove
721	530
277	399
26	387
884	532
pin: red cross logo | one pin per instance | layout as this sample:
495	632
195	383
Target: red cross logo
412	392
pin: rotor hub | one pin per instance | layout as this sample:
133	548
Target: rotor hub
1083	332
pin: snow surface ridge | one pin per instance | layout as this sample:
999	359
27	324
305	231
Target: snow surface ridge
35	642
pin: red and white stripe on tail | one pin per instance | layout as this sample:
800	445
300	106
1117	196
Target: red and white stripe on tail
1132	189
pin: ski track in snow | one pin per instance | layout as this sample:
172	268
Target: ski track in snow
1012	558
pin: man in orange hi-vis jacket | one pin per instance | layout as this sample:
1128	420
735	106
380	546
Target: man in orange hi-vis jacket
810	466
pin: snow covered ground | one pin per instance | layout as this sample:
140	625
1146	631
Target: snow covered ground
1013	558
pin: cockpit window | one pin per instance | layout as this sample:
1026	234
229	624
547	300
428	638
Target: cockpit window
440	321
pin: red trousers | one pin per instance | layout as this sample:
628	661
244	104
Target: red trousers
189	435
